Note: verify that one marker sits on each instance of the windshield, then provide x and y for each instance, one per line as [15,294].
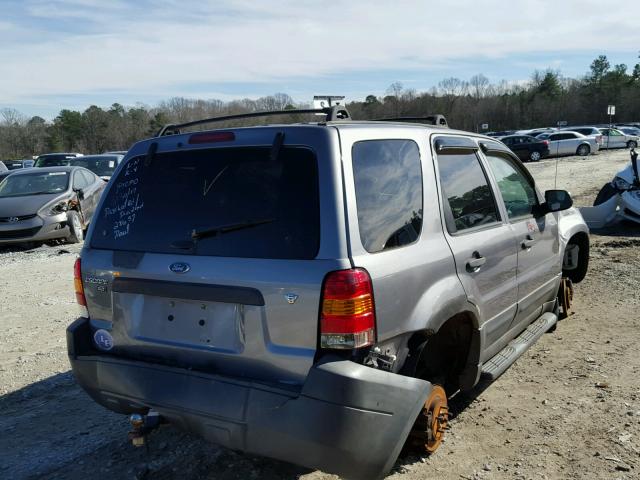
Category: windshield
[41,183]
[103,166]
[54,160]
[227,202]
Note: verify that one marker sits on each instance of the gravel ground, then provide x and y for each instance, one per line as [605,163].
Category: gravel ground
[569,408]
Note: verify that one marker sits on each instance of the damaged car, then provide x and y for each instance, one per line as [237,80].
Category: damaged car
[329,287]
[43,204]
[617,200]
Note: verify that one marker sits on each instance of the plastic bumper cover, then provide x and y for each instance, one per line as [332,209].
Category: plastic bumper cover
[347,419]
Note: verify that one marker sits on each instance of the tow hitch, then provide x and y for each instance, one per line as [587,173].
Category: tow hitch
[142,425]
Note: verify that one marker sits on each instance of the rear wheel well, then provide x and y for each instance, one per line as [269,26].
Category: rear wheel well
[444,357]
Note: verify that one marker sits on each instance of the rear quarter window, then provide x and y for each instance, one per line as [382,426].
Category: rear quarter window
[388,185]
[158,205]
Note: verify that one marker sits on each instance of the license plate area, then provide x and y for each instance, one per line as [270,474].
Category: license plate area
[213,326]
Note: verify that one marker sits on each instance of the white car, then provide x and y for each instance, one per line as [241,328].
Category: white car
[614,138]
[569,143]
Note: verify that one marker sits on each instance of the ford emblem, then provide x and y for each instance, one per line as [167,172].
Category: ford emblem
[179,267]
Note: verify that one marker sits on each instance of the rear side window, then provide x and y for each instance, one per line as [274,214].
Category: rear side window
[388,183]
[228,202]
[469,199]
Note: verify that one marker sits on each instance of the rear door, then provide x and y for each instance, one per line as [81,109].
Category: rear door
[482,243]
[212,257]
[539,262]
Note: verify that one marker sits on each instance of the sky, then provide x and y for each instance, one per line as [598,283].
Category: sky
[75,53]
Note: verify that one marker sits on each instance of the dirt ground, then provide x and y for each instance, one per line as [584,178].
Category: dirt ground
[569,408]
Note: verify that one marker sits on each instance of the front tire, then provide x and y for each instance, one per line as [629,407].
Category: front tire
[632,144]
[76,234]
[583,150]
[535,156]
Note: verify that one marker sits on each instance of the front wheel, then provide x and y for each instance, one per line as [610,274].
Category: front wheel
[632,144]
[583,150]
[535,156]
[76,234]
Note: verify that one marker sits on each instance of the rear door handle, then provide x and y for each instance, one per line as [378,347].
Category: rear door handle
[475,262]
[528,242]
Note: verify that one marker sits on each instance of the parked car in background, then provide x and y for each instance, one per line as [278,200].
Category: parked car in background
[527,147]
[5,174]
[116,152]
[281,290]
[102,165]
[3,167]
[536,131]
[55,159]
[14,164]
[502,133]
[48,203]
[569,143]
[614,138]
[587,131]
[634,131]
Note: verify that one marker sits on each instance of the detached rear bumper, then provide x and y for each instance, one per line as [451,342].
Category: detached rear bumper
[347,419]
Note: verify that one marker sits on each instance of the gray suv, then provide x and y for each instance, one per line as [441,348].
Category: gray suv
[315,292]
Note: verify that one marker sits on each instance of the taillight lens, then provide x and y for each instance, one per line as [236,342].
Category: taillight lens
[546,142]
[77,281]
[347,317]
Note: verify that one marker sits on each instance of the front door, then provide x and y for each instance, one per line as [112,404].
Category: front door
[482,243]
[539,260]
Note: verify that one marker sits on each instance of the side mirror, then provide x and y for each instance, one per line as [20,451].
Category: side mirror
[80,193]
[557,200]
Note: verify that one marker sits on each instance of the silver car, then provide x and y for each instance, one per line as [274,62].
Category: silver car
[569,143]
[315,292]
[614,138]
[37,205]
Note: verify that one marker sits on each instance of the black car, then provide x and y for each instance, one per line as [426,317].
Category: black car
[527,147]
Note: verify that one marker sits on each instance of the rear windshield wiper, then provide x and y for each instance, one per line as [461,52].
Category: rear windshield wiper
[222,229]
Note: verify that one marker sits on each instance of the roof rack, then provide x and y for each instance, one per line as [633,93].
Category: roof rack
[436,120]
[333,113]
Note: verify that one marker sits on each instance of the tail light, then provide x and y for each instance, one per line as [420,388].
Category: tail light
[212,137]
[546,142]
[77,281]
[347,317]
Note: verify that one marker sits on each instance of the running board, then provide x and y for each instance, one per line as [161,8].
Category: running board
[495,367]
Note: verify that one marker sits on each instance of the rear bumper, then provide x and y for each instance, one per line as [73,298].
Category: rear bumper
[347,419]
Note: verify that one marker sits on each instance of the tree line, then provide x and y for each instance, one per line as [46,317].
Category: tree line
[544,100]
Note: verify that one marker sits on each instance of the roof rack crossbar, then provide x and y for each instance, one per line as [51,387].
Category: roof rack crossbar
[336,112]
[436,120]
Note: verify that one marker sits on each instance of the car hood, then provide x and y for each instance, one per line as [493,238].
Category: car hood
[627,173]
[27,205]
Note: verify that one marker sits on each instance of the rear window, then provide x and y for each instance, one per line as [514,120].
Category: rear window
[228,202]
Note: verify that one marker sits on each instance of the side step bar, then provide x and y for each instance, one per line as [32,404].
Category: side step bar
[495,367]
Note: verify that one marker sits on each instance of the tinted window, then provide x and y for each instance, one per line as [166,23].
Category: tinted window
[103,166]
[54,160]
[228,202]
[388,183]
[517,192]
[466,189]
